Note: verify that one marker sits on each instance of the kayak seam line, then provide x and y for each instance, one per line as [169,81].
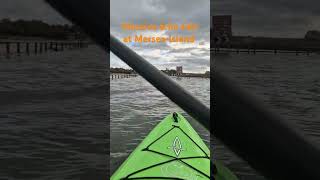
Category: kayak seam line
[173,158]
[180,159]
[149,177]
[176,157]
[174,126]
[195,169]
[165,162]
[193,141]
[159,137]
[143,169]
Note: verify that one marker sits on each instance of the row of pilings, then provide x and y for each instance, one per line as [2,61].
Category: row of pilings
[10,48]
[189,75]
[217,50]
[114,76]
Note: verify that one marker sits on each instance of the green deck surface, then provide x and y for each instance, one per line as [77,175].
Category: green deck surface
[172,150]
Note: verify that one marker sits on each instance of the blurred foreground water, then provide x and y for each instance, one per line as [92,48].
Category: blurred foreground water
[53,115]
[288,84]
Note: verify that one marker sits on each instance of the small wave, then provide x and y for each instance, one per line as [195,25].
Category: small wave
[17,96]
[118,154]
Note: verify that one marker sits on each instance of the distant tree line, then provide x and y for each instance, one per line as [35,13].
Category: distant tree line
[36,28]
[121,70]
[170,72]
[130,71]
[312,35]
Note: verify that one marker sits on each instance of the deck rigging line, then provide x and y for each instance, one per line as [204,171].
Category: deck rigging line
[172,158]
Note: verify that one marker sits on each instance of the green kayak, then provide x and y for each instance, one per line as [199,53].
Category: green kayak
[172,150]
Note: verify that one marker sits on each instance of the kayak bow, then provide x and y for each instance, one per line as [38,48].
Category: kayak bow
[172,150]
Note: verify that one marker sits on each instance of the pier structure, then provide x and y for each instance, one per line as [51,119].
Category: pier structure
[15,47]
[217,50]
[114,76]
[178,72]
[191,75]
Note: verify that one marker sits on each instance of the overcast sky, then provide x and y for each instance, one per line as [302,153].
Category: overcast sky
[194,57]
[277,18]
[29,9]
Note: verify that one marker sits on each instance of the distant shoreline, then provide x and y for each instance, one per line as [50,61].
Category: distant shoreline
[39,39]
[269,43]
[34,38]
[38,30]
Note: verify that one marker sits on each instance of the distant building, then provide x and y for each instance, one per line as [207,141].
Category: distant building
[221,26]
[179,70]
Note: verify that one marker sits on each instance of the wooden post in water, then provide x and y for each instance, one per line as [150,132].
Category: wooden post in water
[18,48]
[46,46]
[61,46]
[27,48]
[40,49]
[56,46]
[8,48]
[35,47]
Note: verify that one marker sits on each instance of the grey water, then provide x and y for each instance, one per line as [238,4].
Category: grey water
[136,107]
[53,107]
[288,84]
[53,122]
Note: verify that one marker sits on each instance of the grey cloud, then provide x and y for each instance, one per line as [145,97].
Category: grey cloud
[193,61]
[177,11]
[161,11]
[26,9]
[137,11]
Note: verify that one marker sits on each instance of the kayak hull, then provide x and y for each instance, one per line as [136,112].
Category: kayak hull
[172,150]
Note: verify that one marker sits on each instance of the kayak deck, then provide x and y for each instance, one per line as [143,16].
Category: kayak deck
[172,150]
